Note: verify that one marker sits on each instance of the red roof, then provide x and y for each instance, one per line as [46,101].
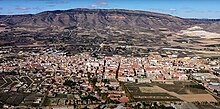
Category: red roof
[124,99]
[108,58]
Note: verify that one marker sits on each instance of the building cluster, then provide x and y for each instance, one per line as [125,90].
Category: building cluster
[85,79]
[134,69]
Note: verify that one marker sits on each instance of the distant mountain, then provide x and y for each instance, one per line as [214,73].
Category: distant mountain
[100,18]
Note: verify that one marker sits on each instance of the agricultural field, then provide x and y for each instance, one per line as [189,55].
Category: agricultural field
[146,92]
[172,91]
[182,88]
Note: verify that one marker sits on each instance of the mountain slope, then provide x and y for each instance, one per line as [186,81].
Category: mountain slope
[98,19]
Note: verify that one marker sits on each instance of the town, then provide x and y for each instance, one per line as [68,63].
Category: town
[50,78]
[109,54]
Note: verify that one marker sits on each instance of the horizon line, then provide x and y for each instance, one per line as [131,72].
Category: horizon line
[192,18]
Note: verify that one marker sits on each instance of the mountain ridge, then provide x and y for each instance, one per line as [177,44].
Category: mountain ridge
[100,18]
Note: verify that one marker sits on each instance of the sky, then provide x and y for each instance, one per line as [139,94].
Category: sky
[181,8]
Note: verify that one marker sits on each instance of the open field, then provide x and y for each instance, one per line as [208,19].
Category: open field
[177,91]
[197,97]
[153,89]
[146,93]
[181,88]
[207,107]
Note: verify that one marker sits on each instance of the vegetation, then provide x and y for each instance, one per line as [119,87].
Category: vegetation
[197,86]
[112,101]
[105,81]
[104,95]
[93,81]
[204,71]
[69,83]
[215,73]
[92,98]
[126,91]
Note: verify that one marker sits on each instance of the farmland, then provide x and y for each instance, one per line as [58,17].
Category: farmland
[174,91]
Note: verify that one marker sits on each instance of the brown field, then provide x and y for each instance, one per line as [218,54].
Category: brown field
[181,88]
[197,97]
[177,91]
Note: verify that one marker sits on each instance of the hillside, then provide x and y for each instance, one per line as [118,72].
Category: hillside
[98,18]
[119,31]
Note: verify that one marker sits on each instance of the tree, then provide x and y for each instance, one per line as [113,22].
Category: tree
[69,83]
[105,81]
[112,101]
[93,81]
[104,96]
[88,75]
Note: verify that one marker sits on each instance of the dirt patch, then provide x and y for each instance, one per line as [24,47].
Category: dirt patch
[197,97]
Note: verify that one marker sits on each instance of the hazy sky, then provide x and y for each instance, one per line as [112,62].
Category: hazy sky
[181,8]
